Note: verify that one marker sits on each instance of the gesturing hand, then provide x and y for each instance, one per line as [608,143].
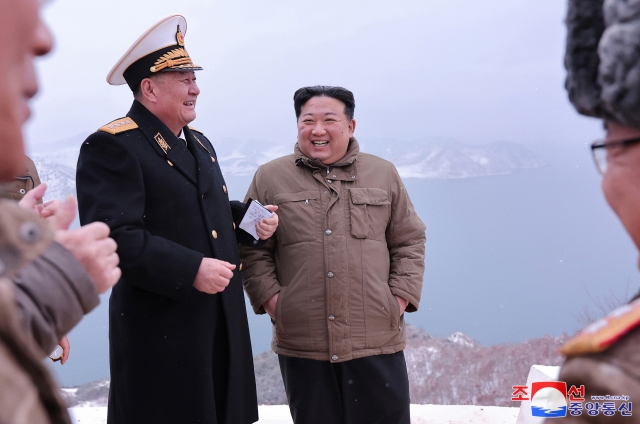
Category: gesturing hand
[90,244]
[95,251]
[213,275]
[59,215]
[267,227]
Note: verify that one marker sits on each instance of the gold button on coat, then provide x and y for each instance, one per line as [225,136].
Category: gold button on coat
[224,188]
[169,162]
[234,225]
[240,267]
[214,233]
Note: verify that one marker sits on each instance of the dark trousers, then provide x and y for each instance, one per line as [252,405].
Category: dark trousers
[370,390]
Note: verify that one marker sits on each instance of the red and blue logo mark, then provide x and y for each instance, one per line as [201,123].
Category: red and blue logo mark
[549,399]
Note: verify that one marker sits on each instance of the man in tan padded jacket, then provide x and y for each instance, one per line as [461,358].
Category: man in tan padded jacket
[49,276]
[346,262]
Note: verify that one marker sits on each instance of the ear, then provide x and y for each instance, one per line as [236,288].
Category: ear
[352,127]
[148,90]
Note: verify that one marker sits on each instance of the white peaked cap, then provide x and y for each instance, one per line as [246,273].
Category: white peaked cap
[166,39]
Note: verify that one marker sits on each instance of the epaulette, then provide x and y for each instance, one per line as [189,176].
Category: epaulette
[196,130]
[603,333]
[118,126]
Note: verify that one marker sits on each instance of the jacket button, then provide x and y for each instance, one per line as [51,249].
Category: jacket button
[213,159]
[214,233]
[29,232]
[234,225]
[169,162]
[330,274]
[328,232]
[334,358]
[240,267]
[331,317]
[329,181]
[224,188]
[23,191]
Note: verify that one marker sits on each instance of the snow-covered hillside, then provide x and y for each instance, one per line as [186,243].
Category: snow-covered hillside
[444,371]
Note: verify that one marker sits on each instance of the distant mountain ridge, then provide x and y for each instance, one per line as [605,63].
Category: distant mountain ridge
[453,160]
[428,158]
[442,371]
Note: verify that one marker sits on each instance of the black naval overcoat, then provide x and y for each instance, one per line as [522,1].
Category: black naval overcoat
[177,355]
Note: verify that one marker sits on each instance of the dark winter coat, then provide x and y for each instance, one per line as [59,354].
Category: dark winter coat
[167,207]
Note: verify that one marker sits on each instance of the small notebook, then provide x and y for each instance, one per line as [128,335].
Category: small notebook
[253,213]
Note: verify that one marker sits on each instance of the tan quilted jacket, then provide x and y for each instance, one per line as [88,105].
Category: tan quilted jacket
[347,242]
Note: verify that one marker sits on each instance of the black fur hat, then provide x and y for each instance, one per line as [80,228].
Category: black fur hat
[603,59]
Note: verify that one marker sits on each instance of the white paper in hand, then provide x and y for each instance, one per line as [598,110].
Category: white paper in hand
[254,214]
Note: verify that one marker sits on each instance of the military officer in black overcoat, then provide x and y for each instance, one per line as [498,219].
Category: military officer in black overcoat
[180,351]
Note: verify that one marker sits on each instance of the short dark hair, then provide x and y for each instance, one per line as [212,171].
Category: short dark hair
[304,94]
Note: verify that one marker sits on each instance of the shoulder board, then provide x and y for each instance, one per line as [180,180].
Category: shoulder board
[196,130]
[118,126]
[603,333]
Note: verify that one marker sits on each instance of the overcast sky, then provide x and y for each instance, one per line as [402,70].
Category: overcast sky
[476,71]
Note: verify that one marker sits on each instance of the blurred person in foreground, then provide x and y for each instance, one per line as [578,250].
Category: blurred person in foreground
[345,264]
[16,190]
[178,334]
[49,276]
[603,81]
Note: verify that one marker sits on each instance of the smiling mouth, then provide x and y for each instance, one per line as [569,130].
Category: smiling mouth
[189,103]
[320,143]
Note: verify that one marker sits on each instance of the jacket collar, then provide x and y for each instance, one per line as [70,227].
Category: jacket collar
[159,135]
[204,159]
[348,159]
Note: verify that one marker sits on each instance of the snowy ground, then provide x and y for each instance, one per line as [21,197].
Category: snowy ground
[420,414]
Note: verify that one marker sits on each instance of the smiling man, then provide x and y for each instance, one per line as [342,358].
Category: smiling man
[179,340]
[345,264]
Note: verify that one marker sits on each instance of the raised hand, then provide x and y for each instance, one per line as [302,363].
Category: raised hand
[267,227]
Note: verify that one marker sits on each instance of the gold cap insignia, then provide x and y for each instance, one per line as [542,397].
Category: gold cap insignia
[180,37]
[174,59]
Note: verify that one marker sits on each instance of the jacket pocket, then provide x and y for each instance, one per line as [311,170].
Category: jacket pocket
[279,329]
[369,212]
[381,314]
[394,310]
[297,212]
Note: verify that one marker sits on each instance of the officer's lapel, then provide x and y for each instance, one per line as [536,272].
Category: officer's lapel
[203,156]
[164,142]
